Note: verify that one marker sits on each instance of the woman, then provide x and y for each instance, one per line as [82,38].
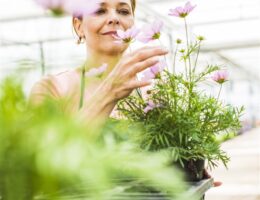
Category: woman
[119,80]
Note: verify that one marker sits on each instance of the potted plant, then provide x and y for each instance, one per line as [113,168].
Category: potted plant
[177,115]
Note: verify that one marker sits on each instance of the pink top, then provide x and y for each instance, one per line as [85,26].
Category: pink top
[63,86]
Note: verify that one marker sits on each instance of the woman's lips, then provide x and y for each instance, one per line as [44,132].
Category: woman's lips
[110,33]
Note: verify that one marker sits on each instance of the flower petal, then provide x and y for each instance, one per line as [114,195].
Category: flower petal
[80,7]
[121,34]
[157,26]
[147,75]
[144,38]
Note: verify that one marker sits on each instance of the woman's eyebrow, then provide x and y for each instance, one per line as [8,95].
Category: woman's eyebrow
[123,4]
[120,4]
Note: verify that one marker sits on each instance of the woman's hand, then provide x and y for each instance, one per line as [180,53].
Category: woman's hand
[122,80]
[119,83]
[207,175]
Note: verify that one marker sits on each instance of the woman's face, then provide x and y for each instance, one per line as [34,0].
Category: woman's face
[99,28]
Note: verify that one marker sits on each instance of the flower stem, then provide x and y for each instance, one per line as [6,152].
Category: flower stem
[82,86]
[219,91]
[174,58]
[164,55]
[42,59]
[186,73]
[188,54]
[187,41]
[195,65]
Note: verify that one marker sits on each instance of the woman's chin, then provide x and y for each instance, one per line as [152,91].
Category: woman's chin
[114,48]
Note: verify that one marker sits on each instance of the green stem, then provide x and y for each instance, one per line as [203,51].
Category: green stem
[219,91]
[174,58]
[164,55]
[186,73]
[187,41]
[42,59]
[139,93]
[130,106]
[195,65]
[188,54]
[82,86]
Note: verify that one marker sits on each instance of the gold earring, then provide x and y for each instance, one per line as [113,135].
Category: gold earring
[80,40]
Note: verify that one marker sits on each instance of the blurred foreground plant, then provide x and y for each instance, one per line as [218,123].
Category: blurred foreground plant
[45,154]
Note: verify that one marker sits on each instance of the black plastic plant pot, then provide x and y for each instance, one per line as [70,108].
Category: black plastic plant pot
[193,169]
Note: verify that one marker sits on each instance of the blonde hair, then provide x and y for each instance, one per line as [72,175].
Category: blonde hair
[133,3]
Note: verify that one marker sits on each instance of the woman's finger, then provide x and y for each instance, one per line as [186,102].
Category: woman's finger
[143,49]
[143,65]
[148,53]
[217,183]
[138,84]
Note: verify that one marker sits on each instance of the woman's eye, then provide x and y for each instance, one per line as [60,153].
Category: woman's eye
[100,11]
[124,12]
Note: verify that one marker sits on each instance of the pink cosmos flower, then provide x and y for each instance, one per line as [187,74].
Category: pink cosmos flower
[182,11]
[97,71]
[220,76]
[153,71]
[151,32]
[74,7]
[56,6]
[126,36]
[150,106]
[79,8]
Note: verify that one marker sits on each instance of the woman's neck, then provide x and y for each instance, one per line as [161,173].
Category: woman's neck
[95,60]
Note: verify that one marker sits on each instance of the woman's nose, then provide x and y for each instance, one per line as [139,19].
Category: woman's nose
[113,18]
[113,21]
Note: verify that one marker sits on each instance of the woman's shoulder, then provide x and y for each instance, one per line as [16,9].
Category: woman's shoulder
[53,86]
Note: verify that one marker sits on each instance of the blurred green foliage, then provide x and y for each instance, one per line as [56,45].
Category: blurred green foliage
[45,154]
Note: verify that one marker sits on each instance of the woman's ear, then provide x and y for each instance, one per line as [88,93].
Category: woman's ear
[77,24]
